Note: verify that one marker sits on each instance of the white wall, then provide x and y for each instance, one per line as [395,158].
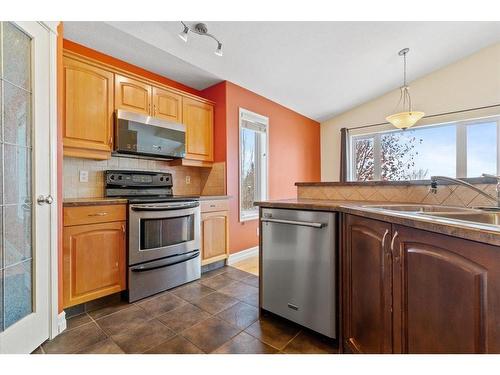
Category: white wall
[469,83]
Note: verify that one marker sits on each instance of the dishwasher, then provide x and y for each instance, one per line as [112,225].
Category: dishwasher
[299,255]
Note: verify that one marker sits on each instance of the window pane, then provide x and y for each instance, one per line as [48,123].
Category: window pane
[363,159]
[249,178]
[418,154]
[481,149]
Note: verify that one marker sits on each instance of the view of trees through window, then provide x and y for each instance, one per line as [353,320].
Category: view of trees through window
[419,153]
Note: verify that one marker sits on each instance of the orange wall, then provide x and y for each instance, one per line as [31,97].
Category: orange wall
[294,152]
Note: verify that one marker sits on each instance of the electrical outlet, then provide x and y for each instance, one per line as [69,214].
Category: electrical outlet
[188,180]
[84,176]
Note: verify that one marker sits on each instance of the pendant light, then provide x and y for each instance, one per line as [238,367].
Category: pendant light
[408,118]
[200,29]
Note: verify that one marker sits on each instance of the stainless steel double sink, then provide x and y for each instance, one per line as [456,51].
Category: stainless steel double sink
[486,215]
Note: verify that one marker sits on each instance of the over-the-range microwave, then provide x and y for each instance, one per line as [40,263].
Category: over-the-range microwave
[137,134]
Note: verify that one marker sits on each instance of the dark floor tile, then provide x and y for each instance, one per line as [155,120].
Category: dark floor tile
[238,290]
[77,321]
[251,280]
[143,337]
[110,308]
[236,274]
[210,334]
[216,302]
[217,282]
[243,343]
[161,304]
[75,340]
[176,345]
[240,315]
[273,331]
[183,317]
[192,292]
[252,299]
[123,320]
[209,274]
[310,343]
[107,346]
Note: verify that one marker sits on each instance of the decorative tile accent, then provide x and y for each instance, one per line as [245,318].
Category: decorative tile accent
[450,195]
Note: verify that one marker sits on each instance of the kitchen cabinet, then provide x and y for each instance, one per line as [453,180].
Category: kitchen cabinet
[94,252]
[87,110]
[198,118]
[214,231]
[167,105]
[367,286]
[434,293]
[132,95]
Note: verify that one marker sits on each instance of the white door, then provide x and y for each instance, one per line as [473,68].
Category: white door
[24,176]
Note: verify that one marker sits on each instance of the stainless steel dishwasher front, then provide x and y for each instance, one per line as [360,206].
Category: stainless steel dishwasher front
[299,267]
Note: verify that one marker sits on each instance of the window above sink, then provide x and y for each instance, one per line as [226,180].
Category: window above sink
[460,149]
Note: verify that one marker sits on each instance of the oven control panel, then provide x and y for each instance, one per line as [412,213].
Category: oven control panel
[137,178]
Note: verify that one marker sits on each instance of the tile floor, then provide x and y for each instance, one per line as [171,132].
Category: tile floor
[216,314]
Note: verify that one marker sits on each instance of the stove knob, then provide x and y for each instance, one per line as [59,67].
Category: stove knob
[120,177]
[112,177]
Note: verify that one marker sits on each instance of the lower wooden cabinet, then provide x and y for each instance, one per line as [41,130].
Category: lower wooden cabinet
[94,261]
[414,291]
[214,235]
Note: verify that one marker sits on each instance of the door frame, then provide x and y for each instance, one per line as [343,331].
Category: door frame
[57,321]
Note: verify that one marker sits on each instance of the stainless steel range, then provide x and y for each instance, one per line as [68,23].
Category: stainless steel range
[163,232]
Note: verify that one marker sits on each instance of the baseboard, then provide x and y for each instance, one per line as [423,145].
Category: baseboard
[242,255]
[61,322]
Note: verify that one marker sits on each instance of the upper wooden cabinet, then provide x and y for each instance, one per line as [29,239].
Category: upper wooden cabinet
[199,120]
[94,90]
[87,110]
[167,105]
[132,95]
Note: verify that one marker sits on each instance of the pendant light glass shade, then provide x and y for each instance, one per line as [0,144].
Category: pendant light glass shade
[407,117]
[404,120]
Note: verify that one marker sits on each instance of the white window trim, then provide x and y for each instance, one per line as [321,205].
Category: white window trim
[461,144]
[245,114]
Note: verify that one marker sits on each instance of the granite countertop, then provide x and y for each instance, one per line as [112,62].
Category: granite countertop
[472,231]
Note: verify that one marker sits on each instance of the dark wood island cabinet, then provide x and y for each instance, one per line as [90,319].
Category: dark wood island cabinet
[407,290]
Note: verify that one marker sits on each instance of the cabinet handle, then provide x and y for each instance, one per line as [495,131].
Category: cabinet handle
[212,205]
[99,214]
[383,242]
[123,228]
[154,110]
[395,255]
[110,141]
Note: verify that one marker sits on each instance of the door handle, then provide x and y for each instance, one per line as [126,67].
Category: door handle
[47,199]
[395,254]
[294,222]
[383,243]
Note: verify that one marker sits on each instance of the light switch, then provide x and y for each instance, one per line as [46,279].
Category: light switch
[84,176]
[188,180]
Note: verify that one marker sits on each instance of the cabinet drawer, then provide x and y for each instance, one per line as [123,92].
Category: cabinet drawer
[94,214]
[215,205]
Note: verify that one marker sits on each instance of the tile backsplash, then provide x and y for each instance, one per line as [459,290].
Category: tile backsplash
[449,195]
[204,181]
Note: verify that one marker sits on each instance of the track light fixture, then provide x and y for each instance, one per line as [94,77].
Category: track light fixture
[200,29]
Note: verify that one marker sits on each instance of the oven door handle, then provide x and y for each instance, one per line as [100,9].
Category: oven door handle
[164,208]
[145,268]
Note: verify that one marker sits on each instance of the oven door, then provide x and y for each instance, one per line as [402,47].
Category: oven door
[160,230]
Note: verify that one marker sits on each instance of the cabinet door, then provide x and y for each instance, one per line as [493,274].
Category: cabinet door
[367,286]
[446,294]
[132,95]
[167,105]
[93,261]
[198,118]
[88,110]
[214,236]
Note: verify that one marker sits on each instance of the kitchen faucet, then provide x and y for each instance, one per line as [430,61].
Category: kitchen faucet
[435,179]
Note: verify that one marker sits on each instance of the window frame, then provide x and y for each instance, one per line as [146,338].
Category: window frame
[461,127]
[262,167]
